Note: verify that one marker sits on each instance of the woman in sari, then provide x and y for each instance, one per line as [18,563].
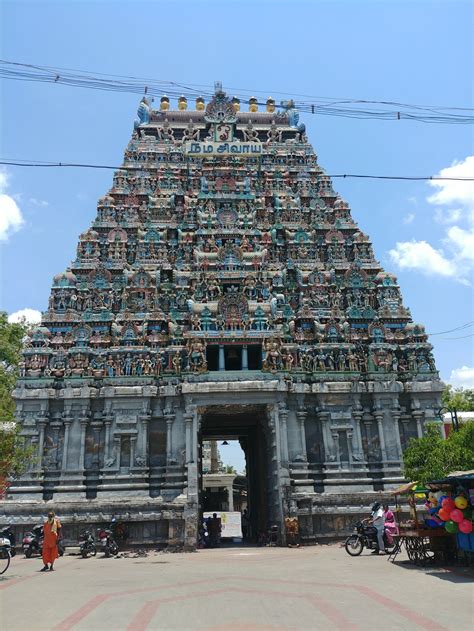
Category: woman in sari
[391,527]
[51,530]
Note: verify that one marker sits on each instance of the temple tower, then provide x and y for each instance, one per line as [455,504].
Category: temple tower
[223,290]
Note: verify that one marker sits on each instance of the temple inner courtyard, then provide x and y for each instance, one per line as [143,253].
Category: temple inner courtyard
[251,588]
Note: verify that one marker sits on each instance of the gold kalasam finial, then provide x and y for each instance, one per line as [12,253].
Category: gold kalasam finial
[199,103]
[164,103]
[236,104]
[182,103]
[253,104]
[270,104]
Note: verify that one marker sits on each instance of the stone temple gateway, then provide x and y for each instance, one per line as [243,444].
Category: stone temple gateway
[222,291]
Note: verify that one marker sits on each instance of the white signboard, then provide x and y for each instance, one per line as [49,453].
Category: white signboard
[231,523]
[211,149]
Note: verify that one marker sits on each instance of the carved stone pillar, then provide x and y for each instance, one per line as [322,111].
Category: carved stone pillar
[96,427]
[323,418]
[41,426]
[188,419]
[418,416]
[144,421]
[245,357]
[133,449]
[107,423]
[359,449]
[56,428]
[67,426]
[283,416]
[84,422]
[169,418]
[301,416]
[396,430]
[221,357]
[378,415]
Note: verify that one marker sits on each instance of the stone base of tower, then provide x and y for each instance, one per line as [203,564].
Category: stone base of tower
[317,448]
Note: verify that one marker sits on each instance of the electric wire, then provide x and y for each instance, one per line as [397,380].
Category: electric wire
[325,106]
[43,164]
[458,328]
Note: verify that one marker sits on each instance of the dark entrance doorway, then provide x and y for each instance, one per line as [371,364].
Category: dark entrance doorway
[249,425]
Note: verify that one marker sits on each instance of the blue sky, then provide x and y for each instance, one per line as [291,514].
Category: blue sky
[417,52]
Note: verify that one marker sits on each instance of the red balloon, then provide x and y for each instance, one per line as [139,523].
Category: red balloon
[456,515]
[465,526]
[448,504]
[444,514]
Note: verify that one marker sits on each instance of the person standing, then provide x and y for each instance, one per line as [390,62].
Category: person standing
[378,522]
[51,530]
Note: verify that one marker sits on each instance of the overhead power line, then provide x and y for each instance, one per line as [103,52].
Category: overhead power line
[45,164]
[323,106]
[458,328]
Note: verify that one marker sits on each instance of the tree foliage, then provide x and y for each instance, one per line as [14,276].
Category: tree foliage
[459,399]
[432,457]
[11,343]
[15,456]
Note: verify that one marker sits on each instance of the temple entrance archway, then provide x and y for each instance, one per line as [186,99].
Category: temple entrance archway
[249,425]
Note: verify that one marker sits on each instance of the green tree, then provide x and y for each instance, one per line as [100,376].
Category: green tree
[15,456]
[228,468]
[432,457]
[11,344]
[459,399]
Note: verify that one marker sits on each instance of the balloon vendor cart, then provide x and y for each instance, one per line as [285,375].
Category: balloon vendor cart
[423,538]
[455,509]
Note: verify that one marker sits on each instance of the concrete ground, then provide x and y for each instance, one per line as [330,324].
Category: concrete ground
[240,588]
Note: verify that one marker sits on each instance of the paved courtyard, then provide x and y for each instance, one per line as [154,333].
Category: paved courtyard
[242,588]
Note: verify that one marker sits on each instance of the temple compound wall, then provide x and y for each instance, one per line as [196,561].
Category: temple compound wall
[223,290]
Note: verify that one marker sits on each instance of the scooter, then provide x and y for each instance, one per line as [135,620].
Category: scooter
[87,544]
[5,554]
[33,543]
[365,536]
[107,542]
[7,533]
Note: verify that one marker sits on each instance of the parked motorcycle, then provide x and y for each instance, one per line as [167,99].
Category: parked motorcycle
[365,536]
[33,543]
[7,533]
[5,554]
[107,542]
[87,544]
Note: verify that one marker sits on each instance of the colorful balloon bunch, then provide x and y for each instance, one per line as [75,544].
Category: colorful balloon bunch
[456,514]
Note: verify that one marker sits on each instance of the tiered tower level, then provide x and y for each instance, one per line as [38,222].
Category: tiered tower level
[222,274]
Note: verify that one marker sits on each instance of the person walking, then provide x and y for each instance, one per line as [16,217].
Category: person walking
[51,531]
[378,522]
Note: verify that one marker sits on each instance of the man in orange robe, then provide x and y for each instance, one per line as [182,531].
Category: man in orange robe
[51,530]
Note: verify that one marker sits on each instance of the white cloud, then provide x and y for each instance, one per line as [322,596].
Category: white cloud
[448,215]
[454,191]
[11,218]
[454,206]
[38,202]
[32,316]
[421,255]
[408,219]
[462,377]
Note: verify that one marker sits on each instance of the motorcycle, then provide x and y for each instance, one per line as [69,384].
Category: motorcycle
[33,543]
[7,533]
[5,554]
[87,544]
[365,536]
[107,542]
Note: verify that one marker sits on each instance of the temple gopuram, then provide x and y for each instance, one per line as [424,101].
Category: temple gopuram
[223,291]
